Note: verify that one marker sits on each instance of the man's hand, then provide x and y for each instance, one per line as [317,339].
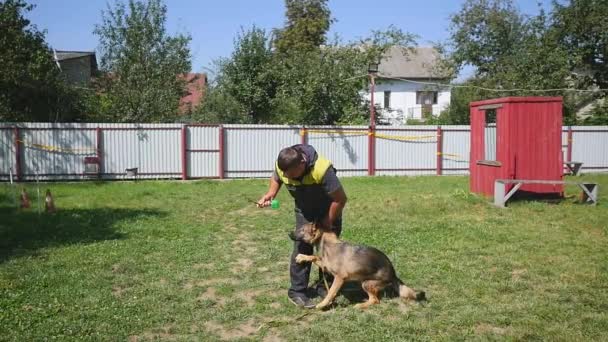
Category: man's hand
[265,201]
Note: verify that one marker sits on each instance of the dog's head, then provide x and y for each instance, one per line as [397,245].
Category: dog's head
[310,233]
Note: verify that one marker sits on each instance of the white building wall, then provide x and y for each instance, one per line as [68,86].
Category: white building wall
[403,100]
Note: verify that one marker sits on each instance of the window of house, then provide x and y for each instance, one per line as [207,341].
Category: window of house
[426,97]
[387,100]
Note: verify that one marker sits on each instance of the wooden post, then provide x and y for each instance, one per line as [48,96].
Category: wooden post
[371,151]
[303,136]
[439,150]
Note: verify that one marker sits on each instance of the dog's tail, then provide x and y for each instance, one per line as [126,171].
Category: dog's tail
[407,293]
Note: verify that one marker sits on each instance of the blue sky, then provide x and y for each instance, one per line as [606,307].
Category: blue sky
[213,25]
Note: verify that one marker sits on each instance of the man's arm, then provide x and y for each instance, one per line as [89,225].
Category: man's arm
[335,208]
[334,189]
[273,189]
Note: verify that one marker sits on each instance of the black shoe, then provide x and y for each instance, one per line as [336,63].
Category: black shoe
[301,300]
[321,290]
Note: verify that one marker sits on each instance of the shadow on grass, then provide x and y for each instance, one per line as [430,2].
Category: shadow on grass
[23,232]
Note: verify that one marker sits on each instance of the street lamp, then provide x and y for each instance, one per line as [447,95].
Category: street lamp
[372,71]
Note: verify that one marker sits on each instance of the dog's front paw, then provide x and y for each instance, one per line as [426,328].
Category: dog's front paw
[322,305]
[301,258]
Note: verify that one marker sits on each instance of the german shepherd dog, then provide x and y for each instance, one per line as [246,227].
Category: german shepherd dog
[348,262]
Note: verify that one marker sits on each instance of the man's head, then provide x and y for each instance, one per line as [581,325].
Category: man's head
[292,162]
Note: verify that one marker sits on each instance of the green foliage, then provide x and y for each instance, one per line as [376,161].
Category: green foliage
[509,51]
[319,86]
[31,85]
[143,64]
[581,27]
[599,114]
[307,24]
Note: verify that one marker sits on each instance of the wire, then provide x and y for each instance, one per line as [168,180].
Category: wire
[451,85]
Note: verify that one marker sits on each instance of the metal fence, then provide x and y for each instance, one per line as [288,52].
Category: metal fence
[58,151]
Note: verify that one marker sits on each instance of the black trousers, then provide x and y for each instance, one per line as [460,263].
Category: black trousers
[300,273]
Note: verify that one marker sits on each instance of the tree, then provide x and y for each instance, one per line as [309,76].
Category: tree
[599,114]
[305,84]
[31,85]
[307,23]
[580,26]
[142,63]
[248,74]
[509,51]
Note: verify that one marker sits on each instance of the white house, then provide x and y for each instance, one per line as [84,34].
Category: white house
[406,86]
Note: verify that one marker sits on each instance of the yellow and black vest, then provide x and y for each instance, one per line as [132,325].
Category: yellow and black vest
[313,176]
[310,196]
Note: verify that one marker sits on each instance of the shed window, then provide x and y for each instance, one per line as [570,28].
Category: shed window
[490,135]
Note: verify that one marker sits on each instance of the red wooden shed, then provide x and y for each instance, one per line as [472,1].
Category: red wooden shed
[516,138]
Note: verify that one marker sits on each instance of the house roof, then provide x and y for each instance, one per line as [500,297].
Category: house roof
[418,62]
[66,55]
[63,55]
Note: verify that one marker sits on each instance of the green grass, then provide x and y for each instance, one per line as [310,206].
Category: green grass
[196,261]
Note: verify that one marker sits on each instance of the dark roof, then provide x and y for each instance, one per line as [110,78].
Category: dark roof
[66,55]
[420,62]
[63,55]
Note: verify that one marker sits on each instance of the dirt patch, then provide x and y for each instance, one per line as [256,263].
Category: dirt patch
[403,307]
[277,280]
[246,329]
[205,266]
[272,337]
[484,328]
[275,305]
[242,240]
[231,227]
[211,295]
[253,210]
[249,296]
[250,250]
[517,274]
[209,282]
[118,290]
[165,333]
[241,265]
[118,268]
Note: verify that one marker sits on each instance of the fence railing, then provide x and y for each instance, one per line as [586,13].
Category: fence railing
[32,151]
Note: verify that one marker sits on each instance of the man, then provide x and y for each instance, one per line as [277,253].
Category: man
[319,197]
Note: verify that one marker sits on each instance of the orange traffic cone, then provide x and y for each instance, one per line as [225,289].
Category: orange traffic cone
[49,206]
[25,201]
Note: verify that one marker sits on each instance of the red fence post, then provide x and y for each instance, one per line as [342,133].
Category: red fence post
[17,153]
[371,151]
[439,151]
[184,153]
[221,148]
